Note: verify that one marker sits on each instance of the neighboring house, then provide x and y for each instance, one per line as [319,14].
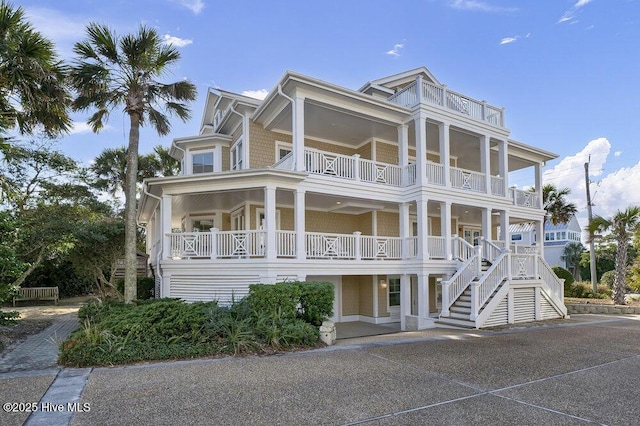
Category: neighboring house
[142,265]
[556,238]
[393,192]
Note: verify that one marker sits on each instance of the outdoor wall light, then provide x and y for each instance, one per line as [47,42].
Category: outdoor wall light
[383,283]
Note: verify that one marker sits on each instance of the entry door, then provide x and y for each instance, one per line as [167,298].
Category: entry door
[471,234]
[237,220]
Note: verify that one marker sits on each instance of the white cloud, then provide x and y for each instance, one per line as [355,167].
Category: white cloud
[396,50]
[63,29]
[257,94]
[617,153]
[195,6]
[81,127]
[177,41]
[508,40]
[479,6]
[570,14]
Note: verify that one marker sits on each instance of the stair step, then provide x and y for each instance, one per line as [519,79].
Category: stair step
[456,322]
[463,303]
[465,298]
[460,310]
[458,315]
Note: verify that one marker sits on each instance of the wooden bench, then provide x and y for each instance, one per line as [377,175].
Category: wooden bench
[36,293]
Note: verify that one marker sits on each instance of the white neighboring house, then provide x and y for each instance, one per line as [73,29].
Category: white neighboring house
[393,192]
[556,238]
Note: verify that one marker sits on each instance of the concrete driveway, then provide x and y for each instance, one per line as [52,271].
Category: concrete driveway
[581,371]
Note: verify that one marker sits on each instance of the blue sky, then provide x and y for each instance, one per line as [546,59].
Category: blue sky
[566,70]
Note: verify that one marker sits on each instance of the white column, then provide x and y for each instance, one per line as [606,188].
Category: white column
[423,297]
[423,228]
[538,169]
[504,165]
[485,161]
[421,147]
[504,228]
[375,296]
[165,228]
[445,155]
[486,224]
[540,236]
[403,145]
[270,221]
[445,228]
[299,224]
[298,133]
[404,228]
[405,300]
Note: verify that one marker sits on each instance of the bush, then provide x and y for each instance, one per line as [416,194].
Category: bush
[316,301]
[584,290]
[145,287]
[608,278]
[280,300]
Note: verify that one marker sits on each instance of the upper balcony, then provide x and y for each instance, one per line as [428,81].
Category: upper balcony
[421,91]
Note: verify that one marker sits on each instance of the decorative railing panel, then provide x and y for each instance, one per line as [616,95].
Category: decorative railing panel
[286,243]
[467,179]
[190,245]
[497,186]
[326,163]
[240,244]
[525,198]
[376,172]
[523,265]
[330,246]
[381,247]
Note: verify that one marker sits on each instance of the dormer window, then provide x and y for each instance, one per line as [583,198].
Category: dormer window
[202,162]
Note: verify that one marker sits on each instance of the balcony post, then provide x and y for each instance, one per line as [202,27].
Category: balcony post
[538,169]
[356,167]
[299,225]
[445,154]
[421,146]
[419,96]
[423,228]
[445,296]
[165,214]
[503,166]
[404,228]
[270,219]
[486,224]
[444,96]
[485,161]
[357,244]
[298,133]
[214,243]
[445,229]
[403,152]
[540,237]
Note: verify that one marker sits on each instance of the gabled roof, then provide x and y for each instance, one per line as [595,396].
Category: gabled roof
[400,79]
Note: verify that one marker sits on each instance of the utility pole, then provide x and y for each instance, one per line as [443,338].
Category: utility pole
[592,249]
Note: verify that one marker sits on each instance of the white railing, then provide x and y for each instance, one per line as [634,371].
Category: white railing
[327,163]
[285,163]
[412,247]
[497,186]
[381,247]
[467,179]
[240,244]
[190,244]
[524,266]
[490,251]
[554,284]
[482,290]
[439,95]
[435,173]
[523,249]
[454,287]
[286,243]
[462,250]
[436,247]
[525,198]
[376,172]
[410,174]
[330,246]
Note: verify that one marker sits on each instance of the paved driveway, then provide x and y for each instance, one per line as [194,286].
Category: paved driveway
[578,372]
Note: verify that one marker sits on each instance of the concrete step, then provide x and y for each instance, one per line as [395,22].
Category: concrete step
[461,309]
[463,303]
[458,315]
[455,322]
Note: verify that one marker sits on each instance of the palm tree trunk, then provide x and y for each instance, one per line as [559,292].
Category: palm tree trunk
[621,272]
[130,230]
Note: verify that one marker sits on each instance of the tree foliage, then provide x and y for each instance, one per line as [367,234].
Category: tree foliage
[555,203]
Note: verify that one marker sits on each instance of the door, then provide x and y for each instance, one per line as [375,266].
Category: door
[471,234]
[393,298]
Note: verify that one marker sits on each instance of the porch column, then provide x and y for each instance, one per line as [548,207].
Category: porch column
[445,228]
[404,228]
[423,228]
[486,224]
[403,145]
[504,228]
[485,161]
[540,236]
[298,133]
[405,300]
[423,298]
[375,285]
[299,224]
[538,168]
[445,155]
[165,227]
[503,166]
[421,147]
[270,219]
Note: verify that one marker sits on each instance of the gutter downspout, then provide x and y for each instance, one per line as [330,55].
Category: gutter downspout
[184,155]
[293,121]
[159,255]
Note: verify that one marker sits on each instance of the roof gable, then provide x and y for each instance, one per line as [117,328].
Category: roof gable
[402,79]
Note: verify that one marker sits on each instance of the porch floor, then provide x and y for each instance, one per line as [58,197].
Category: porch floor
[347,330]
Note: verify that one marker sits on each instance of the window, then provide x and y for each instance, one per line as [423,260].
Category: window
[202,225]
[236,155]
[282,149]
[516,237]
[562,235]
[549,236]
[394,291]
[202,163]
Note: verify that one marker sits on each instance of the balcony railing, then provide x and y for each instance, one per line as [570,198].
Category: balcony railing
[434,94]
[525,198]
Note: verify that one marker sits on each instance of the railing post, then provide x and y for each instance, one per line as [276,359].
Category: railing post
[484,110]
[474,302]
[478,254]
[445,298]
[455,247]
[356,167]
[444,95]
[214,242]
[357,245]
[419,89]
[536,274]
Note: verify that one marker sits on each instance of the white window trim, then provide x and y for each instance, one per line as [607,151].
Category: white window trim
[241,159]
[389,306]
[282,145]
[260,210]
[217,158]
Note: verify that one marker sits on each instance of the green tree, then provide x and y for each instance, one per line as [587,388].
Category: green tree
[166,164]
[605,260]
[33,92]
[109,170]
[622,225]
[555,203]
[111,71]
[572,254]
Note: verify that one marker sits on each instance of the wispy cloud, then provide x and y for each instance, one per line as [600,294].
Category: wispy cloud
[395,52]
[570,15]
[195,6]
[63,29]
[177,41]
[256,94]
[81,127]
[479,6]
[508,40]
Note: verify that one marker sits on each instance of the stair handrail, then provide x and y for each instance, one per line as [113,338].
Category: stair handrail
[462,249]
[490,250]
[487,284]
[456,285]
[552,283]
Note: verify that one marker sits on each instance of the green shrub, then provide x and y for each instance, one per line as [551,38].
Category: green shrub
[566,276]
[280,300]
[608,278]
[584,290]
[316,301]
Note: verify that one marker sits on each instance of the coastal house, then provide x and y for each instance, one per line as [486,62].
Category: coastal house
[394,193]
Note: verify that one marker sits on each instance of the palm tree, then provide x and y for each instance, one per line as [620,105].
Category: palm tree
[33,92]
[558,209]
[109,169]
[572,254]
[622,225]
[167,165]
[111,71]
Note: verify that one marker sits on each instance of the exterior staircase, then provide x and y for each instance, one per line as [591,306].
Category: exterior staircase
[460,311]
